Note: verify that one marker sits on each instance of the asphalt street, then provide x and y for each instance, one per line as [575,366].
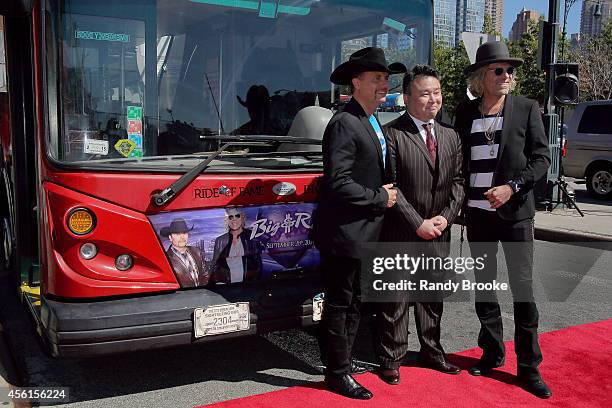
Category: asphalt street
[572,284]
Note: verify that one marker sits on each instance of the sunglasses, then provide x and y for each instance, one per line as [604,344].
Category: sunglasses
[232,216]
[499,70]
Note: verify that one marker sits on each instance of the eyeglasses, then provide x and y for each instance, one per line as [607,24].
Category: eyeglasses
[499,70]
[232,216]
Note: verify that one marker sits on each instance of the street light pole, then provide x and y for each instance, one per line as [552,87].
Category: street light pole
[551,119]
[553,20]
[567,6]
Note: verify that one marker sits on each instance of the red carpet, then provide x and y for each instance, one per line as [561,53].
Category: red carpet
[577,366]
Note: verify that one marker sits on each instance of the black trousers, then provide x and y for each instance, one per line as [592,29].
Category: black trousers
[391,340]
[341,312]
[484,231]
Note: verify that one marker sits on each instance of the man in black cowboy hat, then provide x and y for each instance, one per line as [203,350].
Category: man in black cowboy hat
[186,261]
[352,202]
[258,106]
[505,153]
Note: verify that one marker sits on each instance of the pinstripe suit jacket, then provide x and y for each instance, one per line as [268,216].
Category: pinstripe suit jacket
[429,188]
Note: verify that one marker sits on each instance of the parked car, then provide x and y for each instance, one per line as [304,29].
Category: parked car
[589,147]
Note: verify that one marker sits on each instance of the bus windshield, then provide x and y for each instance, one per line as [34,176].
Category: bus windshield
[133,80]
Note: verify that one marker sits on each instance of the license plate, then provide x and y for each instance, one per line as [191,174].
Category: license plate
[219,319]
[317,307]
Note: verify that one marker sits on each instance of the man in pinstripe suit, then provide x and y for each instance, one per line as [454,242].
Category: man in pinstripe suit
[426,157]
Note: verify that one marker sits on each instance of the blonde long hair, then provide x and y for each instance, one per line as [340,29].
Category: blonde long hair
[239,211]
[475,81]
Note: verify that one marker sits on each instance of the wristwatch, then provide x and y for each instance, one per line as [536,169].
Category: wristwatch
[514,185]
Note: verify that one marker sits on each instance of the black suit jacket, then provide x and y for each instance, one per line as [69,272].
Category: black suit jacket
[181,272]
[429,188]
[251,261]
[352,200]
[523,152]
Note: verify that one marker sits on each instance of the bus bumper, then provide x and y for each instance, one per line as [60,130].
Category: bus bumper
[90,328]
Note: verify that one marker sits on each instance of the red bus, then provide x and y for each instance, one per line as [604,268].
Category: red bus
[161,158]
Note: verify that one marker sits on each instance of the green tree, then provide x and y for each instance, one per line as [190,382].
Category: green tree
[487,26]
[606,32]
[529,77]
[450,63]
[594,54]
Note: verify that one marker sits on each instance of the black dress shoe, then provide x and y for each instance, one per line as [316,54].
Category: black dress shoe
[357,368]
[483,368]
[389,375]
[347,386]
[537,387]
[442,365]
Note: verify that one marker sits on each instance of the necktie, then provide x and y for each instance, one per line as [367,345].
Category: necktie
[191,267]
[381,138]
[431,142]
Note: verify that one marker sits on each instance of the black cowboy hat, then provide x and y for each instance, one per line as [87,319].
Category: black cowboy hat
[256,95]
[366,59]
[177,226]
[491,52]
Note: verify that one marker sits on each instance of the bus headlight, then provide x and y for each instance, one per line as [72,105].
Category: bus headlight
[88,250]
[81,221]
[124,262]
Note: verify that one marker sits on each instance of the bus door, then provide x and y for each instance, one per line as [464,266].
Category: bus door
[18,225]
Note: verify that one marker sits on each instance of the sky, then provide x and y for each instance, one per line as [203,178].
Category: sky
[513,7]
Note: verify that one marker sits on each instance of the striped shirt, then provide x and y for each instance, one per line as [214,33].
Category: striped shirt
[483,159]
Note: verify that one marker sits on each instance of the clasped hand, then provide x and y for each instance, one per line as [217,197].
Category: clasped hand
[432,228]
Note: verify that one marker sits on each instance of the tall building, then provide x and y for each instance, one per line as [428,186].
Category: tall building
[470,17]
[594,15]
[495,9]
[452,17]
[520,25]
[445,13]
[574,40]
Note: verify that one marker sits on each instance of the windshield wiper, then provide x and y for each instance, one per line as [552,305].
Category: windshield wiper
[163,197]
[263,138]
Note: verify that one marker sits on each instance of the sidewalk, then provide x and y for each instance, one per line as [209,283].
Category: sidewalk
[566,225]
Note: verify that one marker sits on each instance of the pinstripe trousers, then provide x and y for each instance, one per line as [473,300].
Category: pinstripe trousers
[391,344]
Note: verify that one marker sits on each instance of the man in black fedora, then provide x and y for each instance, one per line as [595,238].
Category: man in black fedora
[186,260]
[352,202]
[505,153]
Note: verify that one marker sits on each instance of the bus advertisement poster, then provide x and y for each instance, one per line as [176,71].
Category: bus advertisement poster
[236,244]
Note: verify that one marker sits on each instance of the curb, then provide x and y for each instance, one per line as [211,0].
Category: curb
[564,235]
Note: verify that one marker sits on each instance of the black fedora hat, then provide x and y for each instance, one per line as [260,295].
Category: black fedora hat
[366,59]
[491,52]
[177,226]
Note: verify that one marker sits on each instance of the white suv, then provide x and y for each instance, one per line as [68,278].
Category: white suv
[589,147]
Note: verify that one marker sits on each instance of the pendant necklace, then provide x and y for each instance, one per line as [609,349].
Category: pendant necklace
[491,129]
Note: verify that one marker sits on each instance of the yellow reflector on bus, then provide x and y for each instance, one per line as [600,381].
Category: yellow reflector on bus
[81,221]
